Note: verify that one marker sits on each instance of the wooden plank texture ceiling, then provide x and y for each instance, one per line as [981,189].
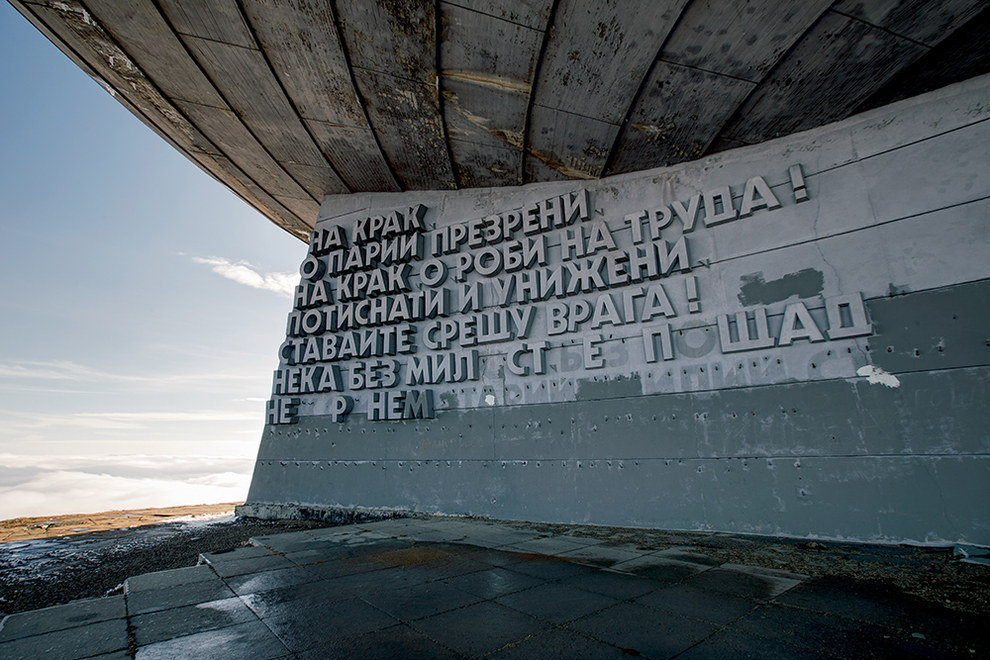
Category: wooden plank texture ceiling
[285,101]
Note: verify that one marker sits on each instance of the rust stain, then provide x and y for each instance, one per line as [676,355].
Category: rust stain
[564,169]
[649,129]
[489,80]
[403,556]
[515,139]
[512,138]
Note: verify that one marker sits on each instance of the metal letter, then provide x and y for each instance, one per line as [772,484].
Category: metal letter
[847,316]
[798,324]
[747,338]
[715,198]
[593,352]
[766,199]
[649,345]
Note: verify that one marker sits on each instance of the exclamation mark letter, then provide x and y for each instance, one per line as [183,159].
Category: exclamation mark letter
[797,182]
[691,284]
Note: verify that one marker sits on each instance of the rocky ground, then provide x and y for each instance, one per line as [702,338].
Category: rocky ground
[935,575]
[51,571]
[24,529]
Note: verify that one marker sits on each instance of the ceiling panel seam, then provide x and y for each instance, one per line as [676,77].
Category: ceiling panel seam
[484,13]
[202,105]
[880,28]
[502,145]
[537,70]
[336,124]
[704,70]
[975,23]
[640,91]
[292,103]
[247,128]
[390,74]
[357,92]
[575,114]
[902,64]
[484,144]
[217,41]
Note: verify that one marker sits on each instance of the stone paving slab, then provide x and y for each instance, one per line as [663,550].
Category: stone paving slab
[176,576]
[211,615]
[252,639]
[701,604]
[443,587]
[743,581]
[557,603]
[62,617]
[398,641]
[632,626]
[79,642]
[660,569]
[167,598]
[481,628]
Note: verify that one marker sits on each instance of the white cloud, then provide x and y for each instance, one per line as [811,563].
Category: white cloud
[124,464]
[52,370]
[164,416]
[121,420]
[244,273]
[65,492]
[37,485]
[63,371]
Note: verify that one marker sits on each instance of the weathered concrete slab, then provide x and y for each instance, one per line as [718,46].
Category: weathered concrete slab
[396,75]
[665,126]
[62,617]
[303,44]
[592,67]
[487,73]
[825,76]
[742,39]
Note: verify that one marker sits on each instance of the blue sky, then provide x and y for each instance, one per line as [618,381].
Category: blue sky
[141,303]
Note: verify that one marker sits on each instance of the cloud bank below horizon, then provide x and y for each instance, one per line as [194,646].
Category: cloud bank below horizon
[33,486]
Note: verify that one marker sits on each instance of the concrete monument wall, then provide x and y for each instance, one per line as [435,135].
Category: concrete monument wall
[788,338]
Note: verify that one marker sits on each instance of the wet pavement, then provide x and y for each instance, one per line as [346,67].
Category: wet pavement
[43,572]
[448,587]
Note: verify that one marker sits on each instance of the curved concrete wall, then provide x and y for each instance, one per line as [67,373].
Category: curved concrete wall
[805,355]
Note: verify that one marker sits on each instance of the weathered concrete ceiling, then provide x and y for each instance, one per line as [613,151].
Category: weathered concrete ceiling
[285,101]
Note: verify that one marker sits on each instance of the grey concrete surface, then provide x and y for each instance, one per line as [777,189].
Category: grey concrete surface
[876,435]
[458,588]
[286,102]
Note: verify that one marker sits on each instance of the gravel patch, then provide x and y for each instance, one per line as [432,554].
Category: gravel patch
[930,574]
[51,571]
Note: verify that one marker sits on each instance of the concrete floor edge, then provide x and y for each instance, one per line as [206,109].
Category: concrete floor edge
[339,514]
[457,587]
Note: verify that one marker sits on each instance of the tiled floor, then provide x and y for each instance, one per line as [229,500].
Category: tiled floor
[437,588]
